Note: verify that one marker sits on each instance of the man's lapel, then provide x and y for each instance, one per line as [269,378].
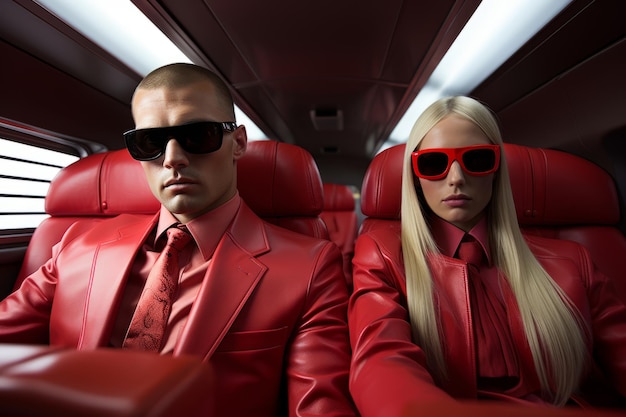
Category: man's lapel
[231,278]
[112,262]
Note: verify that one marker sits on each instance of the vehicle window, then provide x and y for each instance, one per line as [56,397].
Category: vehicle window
[25,175]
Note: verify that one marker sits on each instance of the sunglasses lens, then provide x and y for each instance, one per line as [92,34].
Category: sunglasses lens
[202,137]
[479,160]
[144,145]
[432,163]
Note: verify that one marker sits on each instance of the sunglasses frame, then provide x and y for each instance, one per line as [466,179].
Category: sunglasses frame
[456,154]
[165,134]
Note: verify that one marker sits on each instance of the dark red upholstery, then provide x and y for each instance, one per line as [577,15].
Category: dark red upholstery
[43,381]
[280,182]
[501,409]
[98,186]
[556,194]
[340,218]
[382,190]
[556,188]
[563,196]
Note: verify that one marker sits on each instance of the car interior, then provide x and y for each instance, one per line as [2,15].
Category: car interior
[328,92]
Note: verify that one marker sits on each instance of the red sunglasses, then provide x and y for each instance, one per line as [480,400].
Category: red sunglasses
[434,164]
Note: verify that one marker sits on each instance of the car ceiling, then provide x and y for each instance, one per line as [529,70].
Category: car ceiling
[331,76]
[334,77]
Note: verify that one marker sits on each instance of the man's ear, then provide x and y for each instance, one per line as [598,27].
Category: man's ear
[240,142]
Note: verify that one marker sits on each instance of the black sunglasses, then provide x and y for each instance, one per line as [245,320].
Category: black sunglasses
[434,164]
[196,137]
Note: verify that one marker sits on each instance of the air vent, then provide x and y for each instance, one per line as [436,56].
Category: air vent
[325,119]
[330,150]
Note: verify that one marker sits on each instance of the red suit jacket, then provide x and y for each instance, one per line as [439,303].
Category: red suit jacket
[270,315]
[389,371]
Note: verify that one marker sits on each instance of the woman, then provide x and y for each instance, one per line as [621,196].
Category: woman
[519,323]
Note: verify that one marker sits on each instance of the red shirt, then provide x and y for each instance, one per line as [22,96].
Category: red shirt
[207,231]
[496,355]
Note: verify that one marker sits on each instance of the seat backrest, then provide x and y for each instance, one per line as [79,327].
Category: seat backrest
[98,186]
[557,195]
[341,220]
[280,182]
[381,190]
[563,196]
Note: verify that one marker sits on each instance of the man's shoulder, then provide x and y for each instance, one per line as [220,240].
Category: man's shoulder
[247,224]
[279,233]
[100,225]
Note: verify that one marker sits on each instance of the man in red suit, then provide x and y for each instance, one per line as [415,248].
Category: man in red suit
[265,306]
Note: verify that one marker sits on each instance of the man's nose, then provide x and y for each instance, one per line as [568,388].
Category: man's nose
[175,155]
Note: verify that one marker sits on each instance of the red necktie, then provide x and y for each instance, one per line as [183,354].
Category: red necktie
[471,252]
[153,309]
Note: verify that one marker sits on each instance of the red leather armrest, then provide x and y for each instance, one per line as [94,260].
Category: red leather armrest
[43,381]
[486,408]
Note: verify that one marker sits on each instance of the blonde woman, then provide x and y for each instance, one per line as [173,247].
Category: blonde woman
[521,321]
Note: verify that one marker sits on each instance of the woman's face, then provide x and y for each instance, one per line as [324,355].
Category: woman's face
[458,198]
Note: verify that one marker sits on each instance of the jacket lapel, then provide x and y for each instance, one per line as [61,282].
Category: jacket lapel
[451,278]
[112,262]
[232,276]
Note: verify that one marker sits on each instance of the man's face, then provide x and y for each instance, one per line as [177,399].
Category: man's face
[189,185]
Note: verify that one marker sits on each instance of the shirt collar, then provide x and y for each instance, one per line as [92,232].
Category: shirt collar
[207,229]
[448,237]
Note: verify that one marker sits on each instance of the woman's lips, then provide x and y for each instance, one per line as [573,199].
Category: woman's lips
[456,200]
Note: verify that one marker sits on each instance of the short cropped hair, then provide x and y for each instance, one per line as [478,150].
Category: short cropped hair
[183,74]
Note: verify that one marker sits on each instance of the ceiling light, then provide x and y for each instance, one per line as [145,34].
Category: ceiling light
[494,32]
[120,28]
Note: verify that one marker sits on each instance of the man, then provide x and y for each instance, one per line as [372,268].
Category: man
[265,306]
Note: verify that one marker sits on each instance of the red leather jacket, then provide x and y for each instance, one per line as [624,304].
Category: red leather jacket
[389,372]
[270,315]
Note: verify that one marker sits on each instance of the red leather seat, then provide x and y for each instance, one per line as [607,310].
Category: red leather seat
[556,194]
[563,196]
[381,190]
[340,218]
[98,186]
[45,381]
[485,408]
[280,182]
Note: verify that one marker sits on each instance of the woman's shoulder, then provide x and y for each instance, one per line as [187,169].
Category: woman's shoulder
[547,246]
[560,253]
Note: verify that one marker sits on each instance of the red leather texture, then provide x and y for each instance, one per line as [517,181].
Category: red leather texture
[482,409]
[340,218]
[109,383]
[279,181]
[556,188]
[282,184]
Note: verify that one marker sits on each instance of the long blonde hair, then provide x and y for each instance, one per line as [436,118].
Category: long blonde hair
[554,329]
